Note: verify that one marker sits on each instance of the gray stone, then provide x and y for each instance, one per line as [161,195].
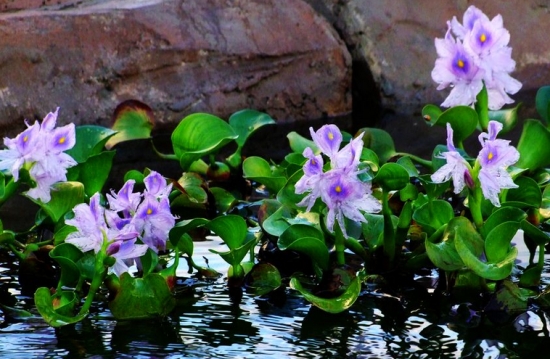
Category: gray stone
[179,57]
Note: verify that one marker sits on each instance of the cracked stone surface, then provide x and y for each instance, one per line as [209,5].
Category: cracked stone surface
[179,57]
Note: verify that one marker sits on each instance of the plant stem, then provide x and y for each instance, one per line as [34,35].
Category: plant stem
[339,245]
[356,247]
[100,271]
[9,189]
[389,231]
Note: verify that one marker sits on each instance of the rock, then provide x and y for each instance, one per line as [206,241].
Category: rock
[179,57]
[396,44]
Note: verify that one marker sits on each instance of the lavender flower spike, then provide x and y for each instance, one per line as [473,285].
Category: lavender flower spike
[328,138]
[494,158]
[346,196]
[456,68]
[456,167]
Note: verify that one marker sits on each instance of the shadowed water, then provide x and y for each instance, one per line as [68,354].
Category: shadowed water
[208,325]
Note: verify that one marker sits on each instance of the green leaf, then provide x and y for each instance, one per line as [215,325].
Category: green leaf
[526,195]
[534,233]
[434,214]
[542,103]
[184,227]
[224,199]
[246,122]
[198,135]
[433,190]
[65,195]
[44,305]
[259,170]
[278,222]
[491,271]
[333,305]
[262,279]
[431,114]
[90,140]
[308,240]
[298,143]
[380,142]
[482,108]
[534,146]
[231,229]
[235,255]
[133,120]
[141,298]
[497,243]
[444,254]
[508,118]
[501,215]
[392,177]
[66,255]
[463,120]
[94,172]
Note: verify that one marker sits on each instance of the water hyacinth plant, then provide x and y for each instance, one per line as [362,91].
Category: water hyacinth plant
[338,216]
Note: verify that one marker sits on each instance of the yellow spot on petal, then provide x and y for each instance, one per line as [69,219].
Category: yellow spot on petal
[490,156]
[61,140]
[25,139]
[338,189]
[483,38]
[460,63]
[330,136]
[149,211]
[313,162]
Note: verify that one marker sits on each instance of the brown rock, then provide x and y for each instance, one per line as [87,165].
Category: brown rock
[397,42]
[179,57]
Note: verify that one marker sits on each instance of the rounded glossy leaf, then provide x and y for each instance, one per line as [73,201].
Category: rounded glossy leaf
[542,103]
[380,142]
[463,120]
[66,255]
[224,199]
[491,271]
[534,146]
[262,279]
[308,240]
[501,215]
[245,122]
[132,120]
[497,243]
[431,114]
[90,140]
[231,228]
[259,170]
[392,177]
[44,304]
[198,135]
[434,214]
[333,305]
[298,143]
[141,298]
[65,196]
[526,195]
[534,233]
[508,118]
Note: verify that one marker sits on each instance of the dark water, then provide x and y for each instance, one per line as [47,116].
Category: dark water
[415,325]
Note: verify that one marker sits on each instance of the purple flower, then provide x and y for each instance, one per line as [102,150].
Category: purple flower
[328,138]
[125,253]
[89,221]
[346,196]
[154,220]
[456,167]
[339,188]
[456,68]
[40,148]
[481,50]
[155,184]
[125,200]
[495,157]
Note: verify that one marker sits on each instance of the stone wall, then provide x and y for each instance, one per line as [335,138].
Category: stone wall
[299,62]
[216,56]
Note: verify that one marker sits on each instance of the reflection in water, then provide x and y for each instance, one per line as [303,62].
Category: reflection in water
[414,324]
